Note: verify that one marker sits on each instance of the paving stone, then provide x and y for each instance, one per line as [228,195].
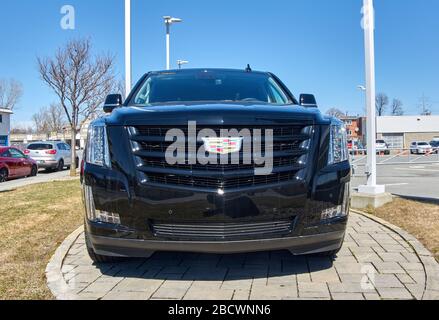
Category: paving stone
[273,293]
[170,293]
[100,287]
[372,296]
[212,294]
[127,296]
[241,295]
[395,294]
[389,268]
[138,285]
[412,266]
[347,296]
[348,288]
[386,281]
[392,257]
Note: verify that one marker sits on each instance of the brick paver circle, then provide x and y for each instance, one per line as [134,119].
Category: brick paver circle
[376,262]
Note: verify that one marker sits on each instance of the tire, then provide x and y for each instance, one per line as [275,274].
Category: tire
[60,166]
[3,175]
[97,258]
[34,171]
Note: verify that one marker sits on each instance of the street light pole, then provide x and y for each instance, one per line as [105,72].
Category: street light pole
[128,69]
[369,43]
[168,21]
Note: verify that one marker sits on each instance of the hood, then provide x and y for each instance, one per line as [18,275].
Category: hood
[215,114]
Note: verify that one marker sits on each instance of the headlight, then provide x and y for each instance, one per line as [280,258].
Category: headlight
[338,149]
[97,146]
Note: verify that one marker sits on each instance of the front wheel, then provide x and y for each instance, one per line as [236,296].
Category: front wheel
[97,258]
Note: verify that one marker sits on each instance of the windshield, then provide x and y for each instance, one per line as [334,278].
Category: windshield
[423,144]
[210,86]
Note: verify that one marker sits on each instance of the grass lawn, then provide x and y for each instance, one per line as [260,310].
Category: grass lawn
[34,221]
[421,219]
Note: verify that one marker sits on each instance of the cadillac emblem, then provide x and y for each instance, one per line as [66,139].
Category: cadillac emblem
[223,145]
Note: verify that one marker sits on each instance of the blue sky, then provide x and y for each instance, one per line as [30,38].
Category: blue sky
[314,46]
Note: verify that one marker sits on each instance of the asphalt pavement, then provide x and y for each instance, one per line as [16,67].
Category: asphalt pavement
[40,178]
[416,180]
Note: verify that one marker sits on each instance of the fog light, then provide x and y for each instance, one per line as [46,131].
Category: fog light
[341,210]
[107,217]
[95,215]
[332,213]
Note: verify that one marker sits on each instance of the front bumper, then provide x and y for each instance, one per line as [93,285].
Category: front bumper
[142,248]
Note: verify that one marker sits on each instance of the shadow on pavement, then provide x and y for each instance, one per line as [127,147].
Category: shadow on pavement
[213,267]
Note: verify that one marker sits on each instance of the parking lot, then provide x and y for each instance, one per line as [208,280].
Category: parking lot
[43,176]
[410,175]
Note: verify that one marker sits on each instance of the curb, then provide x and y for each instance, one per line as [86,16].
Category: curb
[431,266]
[55,279]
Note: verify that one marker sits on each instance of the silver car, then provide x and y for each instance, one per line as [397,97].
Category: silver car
[50,155]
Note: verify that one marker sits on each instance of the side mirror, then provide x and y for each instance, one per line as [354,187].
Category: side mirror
[308,101]
[112,102]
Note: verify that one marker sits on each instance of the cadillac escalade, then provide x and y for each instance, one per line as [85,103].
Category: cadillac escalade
[214,161]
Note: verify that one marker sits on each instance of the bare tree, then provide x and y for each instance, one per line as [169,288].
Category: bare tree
[334,112]
[11,92]
[397,109]
[41,122]
[22,129]
[381,102]
[425,105]
[49,120]
[81,81]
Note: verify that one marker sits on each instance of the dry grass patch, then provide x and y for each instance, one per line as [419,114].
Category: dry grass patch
[421,219]
[34,222]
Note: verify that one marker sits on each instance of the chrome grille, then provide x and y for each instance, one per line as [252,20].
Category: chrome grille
[226,231]
[290,149]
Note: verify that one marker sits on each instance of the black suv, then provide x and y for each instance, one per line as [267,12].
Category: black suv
[214,161]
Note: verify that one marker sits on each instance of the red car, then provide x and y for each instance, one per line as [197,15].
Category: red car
[14,164]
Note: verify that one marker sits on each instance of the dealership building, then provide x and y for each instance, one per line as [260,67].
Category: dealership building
[399,132]
[5,126]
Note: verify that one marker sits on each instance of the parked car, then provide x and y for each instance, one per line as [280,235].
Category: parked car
[137,200]
[382,147]
[420,147]
[15,164]
[50,155]
[435,145]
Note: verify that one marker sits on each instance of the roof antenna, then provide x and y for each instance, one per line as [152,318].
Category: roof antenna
[248,69]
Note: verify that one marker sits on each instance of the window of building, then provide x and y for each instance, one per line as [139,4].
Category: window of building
[1,118]
[348,122]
